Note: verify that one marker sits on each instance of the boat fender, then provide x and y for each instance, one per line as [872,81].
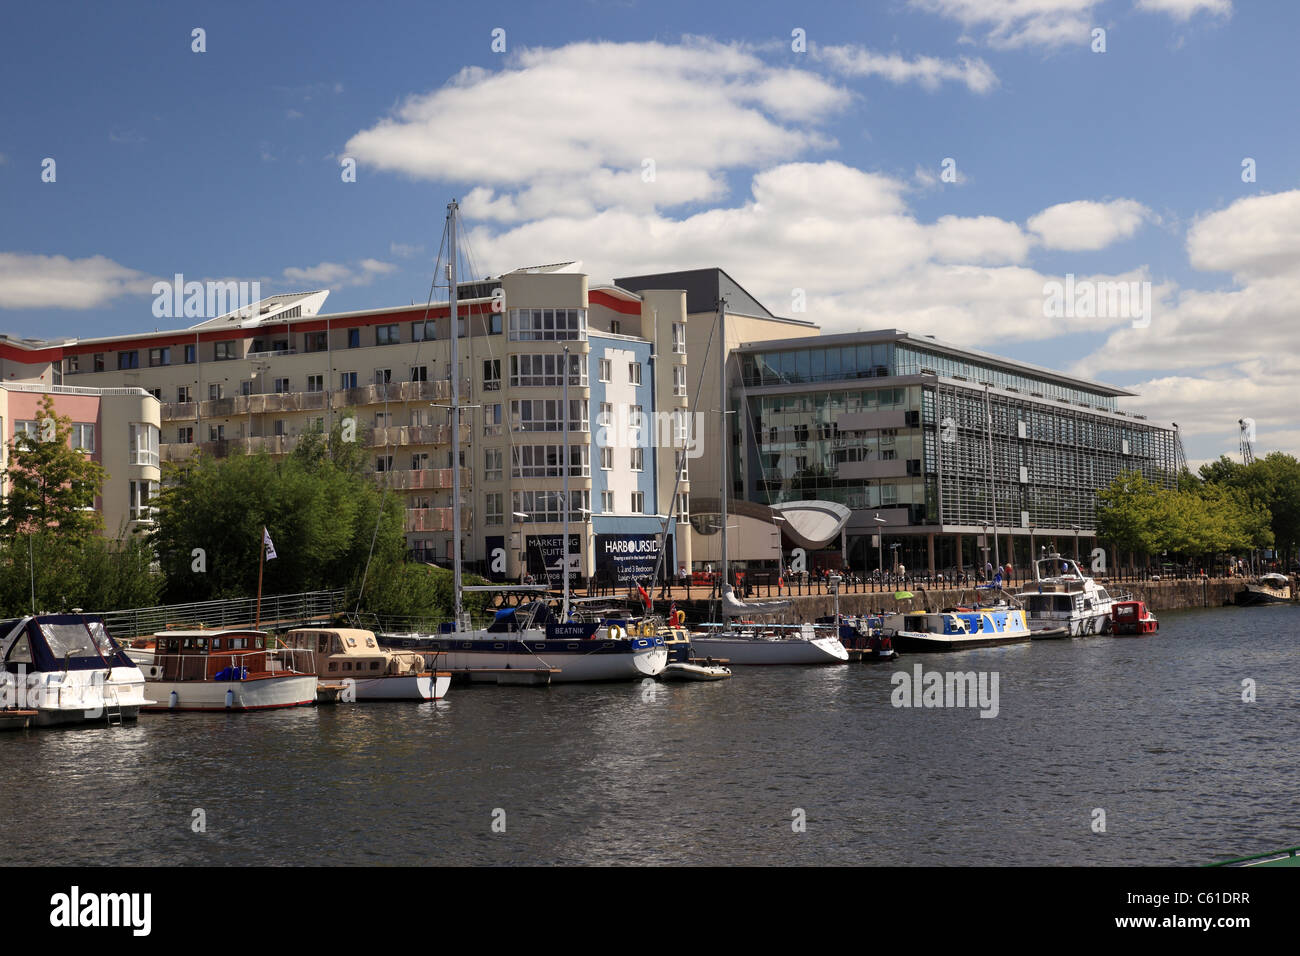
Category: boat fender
[173,700]
[230,697]
[616,633]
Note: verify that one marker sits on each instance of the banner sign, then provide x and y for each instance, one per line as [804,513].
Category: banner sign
[627,558]
[546,554]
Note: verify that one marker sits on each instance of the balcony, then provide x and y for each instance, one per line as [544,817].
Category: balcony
[427,479]
[436,519]
[288,402]
[402,435]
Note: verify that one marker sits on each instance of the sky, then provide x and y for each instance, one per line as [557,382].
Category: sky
[938,166]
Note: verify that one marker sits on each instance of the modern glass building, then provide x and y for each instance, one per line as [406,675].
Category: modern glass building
[947,450]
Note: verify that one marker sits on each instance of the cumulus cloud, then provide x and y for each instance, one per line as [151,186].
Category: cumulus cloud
[592,126]
[1084,225]
[30,281]
[1010,24]
[930,72]
[1186,9]
[337,274]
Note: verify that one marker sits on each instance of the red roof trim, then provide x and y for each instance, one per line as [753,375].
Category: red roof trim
[613,303]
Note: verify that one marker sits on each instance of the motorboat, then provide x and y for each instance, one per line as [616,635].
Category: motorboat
[234,669]
[863,637]
[956,630]
[65,669]
[1271,588]
[352,660]
[1132,617]
[1065,602]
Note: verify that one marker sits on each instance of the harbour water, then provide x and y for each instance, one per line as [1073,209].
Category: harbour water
[1152,731]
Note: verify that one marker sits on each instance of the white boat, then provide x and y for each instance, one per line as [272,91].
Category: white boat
[232,669]
[1063,597]
[1272,588]
[956,629]
[744,644]
[351,666]
[65,669]
[689,671]
[528,640]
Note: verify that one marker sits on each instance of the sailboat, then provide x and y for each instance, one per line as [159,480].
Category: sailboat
[750,643]
[525,645]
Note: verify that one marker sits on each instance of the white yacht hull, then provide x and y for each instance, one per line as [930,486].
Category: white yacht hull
[80,696]
[573,666]
[258,693]
[407,687]
[742,649]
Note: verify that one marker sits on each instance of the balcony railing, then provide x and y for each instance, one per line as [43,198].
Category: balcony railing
[401,435]
[282,402]
[436,519]
[427,479]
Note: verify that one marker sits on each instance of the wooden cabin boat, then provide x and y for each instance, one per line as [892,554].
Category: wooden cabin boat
[353,658]
[1132,617]
[235,669]
[65,669]
[1271,589]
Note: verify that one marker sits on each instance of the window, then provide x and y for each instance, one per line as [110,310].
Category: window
[615,326]
[607,502]
[315,341]
[491,375]
[143,443]
[607,459]
[492,469]
[185,435]
[387,335]
[681,465]
[638,459]
[354,338]
[549,505]
[679,338]
[384,463]
[606,370]
[383,419]
[142,496]
[679,380]
[216,391]
[526,370]
[638,502]
[419,373]
[683,506]
[347,380]
[159,357]
[547,461]
[546,415]
[190,353]
[315,383]
[492,419]
[419,461]
[216,433]
[423,331]
[156,393]
[225,350]
[128,360]
[31,429]
[383,376]
[281,386]
[634,372]
[83,436]
[281,427]
[73,364]
[184,393]
[99,362]
[494,323]
[606,416]
[547,325]
[493,508]
[246,388]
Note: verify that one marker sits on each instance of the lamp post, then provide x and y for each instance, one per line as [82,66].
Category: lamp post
[880,544]
[1077,529]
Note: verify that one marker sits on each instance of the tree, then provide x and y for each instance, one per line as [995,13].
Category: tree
[51,484]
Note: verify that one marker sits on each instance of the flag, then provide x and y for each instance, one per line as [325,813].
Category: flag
[672,614]
[267,545]
[649,604]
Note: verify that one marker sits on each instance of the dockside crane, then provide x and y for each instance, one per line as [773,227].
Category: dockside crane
[1246,428]
[1180,454]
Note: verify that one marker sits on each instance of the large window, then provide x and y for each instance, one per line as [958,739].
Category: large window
[315,383]
[83,436]
[387,335]
[545,415]
[679,338]
[491,375]
[679,380]
[547,325]
[159,357]
[225,350]
[423,331]
[127,360]
[546,461]
[528,370]
[143,442]
[142,495]
[494,511]
[492,470]
[549,505]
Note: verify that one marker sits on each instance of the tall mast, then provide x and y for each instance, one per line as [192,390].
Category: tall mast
[452,208]
[726,434]
[564,505]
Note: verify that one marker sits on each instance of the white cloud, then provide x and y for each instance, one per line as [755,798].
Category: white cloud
[377,267]
[337,275]
[1009,24]
[29,281]
[930,72]
[1084,225]
[1256,236]
[578,124]
[1186,9]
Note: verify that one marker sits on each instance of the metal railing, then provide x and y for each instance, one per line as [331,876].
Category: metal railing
[239,612]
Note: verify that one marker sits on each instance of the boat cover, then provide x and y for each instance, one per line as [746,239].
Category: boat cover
[733,606]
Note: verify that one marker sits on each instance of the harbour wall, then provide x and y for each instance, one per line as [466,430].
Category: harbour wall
[1158,595]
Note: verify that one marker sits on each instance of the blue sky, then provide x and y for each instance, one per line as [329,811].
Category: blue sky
[817,170]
